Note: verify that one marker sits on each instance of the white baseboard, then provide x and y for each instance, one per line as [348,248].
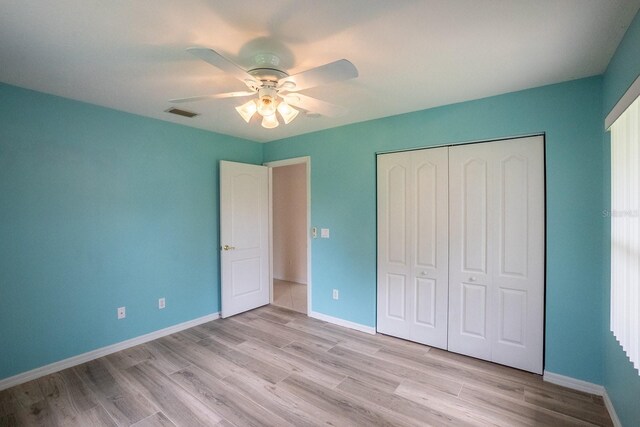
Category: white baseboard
[100,352]
[586,387]
[612,411]
[573,383]
[342,322]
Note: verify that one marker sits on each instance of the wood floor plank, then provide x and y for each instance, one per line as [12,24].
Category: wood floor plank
[290,334]
[274,318]
[196,334]
[446,403]
[265,370]
[33,414]
[354,412]
[281,311]
[528,379]
[199,356]
[222,335]
[8,403]
[175,402]
[279,401]
[230,404]
[399,370]
[359,342]
[247,332]
[156,420]
[66,402]
[399,405]
[124,405]
[578,409]
[525,412]
[96,417]
[459,373]
[28,393]
[345,366]
[294,364]
[161,357]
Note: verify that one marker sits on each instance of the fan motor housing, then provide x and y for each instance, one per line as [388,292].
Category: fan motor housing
[267,74]
[266,68]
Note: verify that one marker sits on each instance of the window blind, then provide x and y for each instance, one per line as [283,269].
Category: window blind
[625,234]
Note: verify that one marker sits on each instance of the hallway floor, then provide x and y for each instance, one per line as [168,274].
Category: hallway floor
[290,295]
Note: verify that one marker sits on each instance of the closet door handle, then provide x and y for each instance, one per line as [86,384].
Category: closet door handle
[472,279]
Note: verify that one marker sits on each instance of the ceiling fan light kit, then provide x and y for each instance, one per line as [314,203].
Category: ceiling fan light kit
[270,121]
[272,85]
[287,112]
[247,110]
[266,105]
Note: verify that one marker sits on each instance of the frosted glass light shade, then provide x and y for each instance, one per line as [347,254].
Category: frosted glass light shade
[247,110]
[270,121]
[266,105]
[287,112]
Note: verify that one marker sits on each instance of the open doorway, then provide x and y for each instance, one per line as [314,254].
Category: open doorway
[290,246]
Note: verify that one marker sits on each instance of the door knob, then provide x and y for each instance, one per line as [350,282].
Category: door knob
[228,248]
[472,279]
[424,273]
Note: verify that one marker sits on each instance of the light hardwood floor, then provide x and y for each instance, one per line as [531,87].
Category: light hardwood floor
[276,367]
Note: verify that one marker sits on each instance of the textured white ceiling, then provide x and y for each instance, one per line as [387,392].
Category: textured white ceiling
[411,55]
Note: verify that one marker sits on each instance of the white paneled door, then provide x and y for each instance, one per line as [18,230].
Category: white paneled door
[244,237]
[461,249]
[496,264]
[412,246]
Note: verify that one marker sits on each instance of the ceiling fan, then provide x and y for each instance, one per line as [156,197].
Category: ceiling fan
[276,90]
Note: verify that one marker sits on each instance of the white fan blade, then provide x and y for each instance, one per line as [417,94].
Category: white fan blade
[219,61]
[314,105]
[328,73]
[216,96]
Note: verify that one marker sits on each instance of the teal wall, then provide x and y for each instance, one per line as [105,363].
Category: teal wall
[343,197]
[620,378]
[101,209]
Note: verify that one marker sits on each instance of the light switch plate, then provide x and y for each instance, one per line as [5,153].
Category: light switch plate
[324,233]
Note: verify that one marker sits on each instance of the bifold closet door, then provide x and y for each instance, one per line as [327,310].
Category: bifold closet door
[413,245]
[496,263]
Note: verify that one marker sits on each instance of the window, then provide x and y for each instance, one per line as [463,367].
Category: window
[625,233]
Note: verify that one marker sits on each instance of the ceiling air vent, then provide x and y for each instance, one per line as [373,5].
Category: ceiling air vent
[179,112]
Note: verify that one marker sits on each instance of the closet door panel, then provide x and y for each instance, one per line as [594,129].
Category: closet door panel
[518,282]
[431,260]
[496,274]
[413,245]
[395,278]
[469,267]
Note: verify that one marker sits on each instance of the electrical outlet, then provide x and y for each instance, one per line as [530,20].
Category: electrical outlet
[122,313]
[314,232]
[161,303]
[336,295]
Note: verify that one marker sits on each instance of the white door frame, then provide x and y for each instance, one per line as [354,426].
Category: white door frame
[287,162]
